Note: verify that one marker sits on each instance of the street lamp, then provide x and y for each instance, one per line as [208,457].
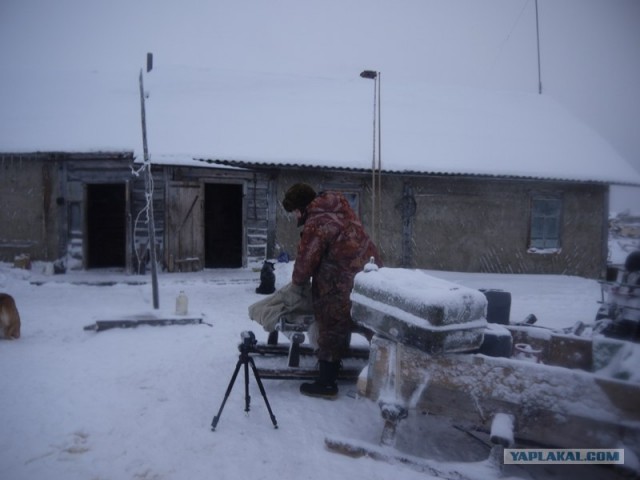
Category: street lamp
[376,161]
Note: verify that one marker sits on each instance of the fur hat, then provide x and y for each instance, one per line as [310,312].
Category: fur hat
[298,197]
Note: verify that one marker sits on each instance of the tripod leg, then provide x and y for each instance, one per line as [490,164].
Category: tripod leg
[262,391]
[214,423]
[247,397]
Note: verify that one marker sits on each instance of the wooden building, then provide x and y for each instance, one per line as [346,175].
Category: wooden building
[90,211]
[465,222]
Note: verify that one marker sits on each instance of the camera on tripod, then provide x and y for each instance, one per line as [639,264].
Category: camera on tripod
[248,341]
[247,346]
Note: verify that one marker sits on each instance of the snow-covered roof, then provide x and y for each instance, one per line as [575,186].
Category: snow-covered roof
[317,121]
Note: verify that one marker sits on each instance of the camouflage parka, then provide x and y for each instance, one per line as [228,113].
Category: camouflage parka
[333,248]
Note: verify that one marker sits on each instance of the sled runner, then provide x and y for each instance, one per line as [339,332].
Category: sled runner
[300,354]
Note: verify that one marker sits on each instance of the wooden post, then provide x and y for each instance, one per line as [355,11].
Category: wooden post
[151,228]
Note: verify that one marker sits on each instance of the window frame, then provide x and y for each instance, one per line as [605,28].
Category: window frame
[550,217]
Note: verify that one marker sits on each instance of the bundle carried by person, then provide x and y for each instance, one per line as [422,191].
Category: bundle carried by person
[291,302]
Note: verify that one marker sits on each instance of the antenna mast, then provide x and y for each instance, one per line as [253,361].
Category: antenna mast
[538,45]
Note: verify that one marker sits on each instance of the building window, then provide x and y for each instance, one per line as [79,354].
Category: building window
[545,224]
[350,192]
[354,200]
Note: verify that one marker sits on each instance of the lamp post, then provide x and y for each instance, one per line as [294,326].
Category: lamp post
[376,161]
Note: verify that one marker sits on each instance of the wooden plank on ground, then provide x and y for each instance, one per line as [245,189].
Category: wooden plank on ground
[293,373]
[101,325]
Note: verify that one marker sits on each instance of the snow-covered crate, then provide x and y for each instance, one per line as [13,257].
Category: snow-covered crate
[418,310]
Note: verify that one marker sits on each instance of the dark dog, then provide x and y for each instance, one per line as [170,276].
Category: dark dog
[9,317]
[267,279]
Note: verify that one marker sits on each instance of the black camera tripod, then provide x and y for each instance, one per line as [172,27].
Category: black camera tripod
[247,346]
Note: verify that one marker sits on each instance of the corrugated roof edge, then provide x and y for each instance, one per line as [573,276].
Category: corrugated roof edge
[280,165]
[67,154]
[244,164]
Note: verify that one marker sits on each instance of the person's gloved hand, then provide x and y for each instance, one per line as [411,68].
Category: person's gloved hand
[296,296]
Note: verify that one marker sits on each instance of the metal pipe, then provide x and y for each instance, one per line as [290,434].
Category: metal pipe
[538,45]
[373,75]
[379,82]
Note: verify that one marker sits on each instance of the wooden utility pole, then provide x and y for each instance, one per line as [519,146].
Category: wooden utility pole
[148,181]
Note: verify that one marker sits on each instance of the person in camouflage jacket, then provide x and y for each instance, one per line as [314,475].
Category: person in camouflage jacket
[333,248]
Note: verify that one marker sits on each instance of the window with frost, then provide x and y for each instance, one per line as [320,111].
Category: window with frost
[546,213]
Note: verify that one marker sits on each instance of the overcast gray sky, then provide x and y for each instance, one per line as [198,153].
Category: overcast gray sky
[589,48]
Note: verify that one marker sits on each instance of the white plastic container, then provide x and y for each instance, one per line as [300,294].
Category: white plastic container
[182,304]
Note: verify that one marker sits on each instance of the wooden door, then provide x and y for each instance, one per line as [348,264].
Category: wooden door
[185,226]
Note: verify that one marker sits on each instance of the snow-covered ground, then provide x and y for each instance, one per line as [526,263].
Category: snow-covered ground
[138,403]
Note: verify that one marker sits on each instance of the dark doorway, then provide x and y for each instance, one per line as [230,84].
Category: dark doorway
[222,225]
[106,225]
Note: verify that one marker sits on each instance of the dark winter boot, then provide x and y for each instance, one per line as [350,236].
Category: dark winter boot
[325,386]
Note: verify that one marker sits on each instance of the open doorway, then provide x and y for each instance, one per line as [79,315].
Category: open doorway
[106,225]
[223,225]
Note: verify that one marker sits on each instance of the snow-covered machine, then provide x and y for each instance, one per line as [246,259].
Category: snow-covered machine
[418,310]
[434,355]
